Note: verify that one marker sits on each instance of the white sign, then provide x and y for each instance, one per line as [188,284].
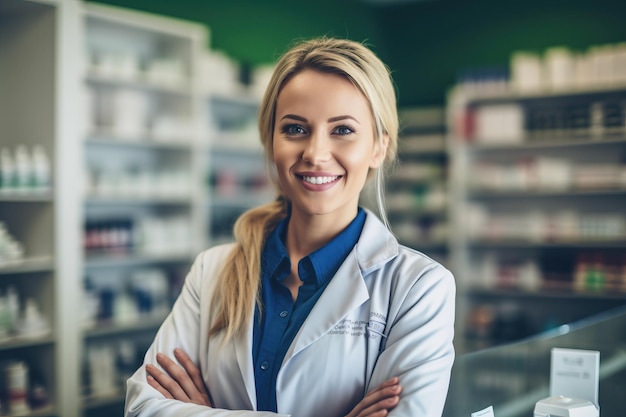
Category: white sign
[574,374]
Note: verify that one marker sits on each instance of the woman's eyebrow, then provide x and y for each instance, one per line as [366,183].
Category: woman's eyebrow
[294,117]
[338,118]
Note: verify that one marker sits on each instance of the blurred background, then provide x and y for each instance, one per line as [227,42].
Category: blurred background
[128,143]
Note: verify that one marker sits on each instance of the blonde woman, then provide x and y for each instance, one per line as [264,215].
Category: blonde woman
[316,310]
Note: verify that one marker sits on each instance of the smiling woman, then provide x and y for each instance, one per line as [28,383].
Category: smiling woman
[315,309]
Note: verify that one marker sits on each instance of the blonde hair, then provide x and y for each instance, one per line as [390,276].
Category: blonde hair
[240,278]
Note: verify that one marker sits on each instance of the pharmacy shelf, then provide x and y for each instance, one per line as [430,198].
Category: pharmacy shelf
[108,329]
[417,187]
[103,139]
[27,265]
[93,402]
[545,294]
[17,342]
[180,89]
[508,244]
[163,156]
[26,197]
[546,193]
[508,96]
[585,191]
[37,110]
[100,261]
[236,175]
[567,142]
[120,201]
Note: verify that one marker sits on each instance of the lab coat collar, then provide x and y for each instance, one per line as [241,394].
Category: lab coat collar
[347,290]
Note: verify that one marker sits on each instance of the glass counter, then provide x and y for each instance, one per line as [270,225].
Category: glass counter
[513,377]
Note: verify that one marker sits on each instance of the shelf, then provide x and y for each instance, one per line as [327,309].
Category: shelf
[240,199]
[26,196]
[526,244]
[240,100]
[503,293]
[102,139]
[541,177]
[242,144]
[540,144]
[27,265]
[108,329]
[96,401]
[130,259]
[16,342]
[497,194]
[183,88]
[122,200]
[434,246]
[543,95]
[417,212]
[46,411]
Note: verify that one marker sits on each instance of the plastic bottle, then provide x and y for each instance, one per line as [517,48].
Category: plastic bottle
[7,170]
[23,168]
[17,387]
[5,320]
[41,168]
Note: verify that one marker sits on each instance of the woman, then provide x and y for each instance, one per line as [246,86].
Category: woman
[316,310]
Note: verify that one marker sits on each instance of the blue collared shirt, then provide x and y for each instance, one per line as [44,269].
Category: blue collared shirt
[280,319]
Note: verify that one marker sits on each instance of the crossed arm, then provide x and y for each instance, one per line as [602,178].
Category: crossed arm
[184,383]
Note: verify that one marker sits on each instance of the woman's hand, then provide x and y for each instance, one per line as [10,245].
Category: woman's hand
[379,401]
[183,384]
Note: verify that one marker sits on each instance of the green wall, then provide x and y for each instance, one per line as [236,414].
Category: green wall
[425,43]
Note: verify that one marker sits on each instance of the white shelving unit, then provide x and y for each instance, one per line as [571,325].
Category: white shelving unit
[538,208]
[134,140]
[237,177]
[144,196]
[417,189]
[38,52]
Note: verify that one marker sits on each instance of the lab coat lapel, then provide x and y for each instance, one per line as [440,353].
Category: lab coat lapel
[345,292]
[243,349]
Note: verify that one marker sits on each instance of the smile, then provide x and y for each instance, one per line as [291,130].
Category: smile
[320,180]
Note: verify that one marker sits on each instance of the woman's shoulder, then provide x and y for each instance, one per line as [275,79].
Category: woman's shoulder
[420,264]
[214,257]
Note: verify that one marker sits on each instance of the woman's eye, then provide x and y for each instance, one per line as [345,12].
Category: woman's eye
[293,130]
[343,130]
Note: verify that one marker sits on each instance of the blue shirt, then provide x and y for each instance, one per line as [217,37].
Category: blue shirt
[278,322]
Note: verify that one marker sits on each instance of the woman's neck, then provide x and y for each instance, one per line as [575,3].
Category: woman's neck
[307,233]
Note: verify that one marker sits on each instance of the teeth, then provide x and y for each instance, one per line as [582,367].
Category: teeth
[320,180]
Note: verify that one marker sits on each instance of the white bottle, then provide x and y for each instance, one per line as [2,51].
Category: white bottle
[17,386]
[41,168]
[5,320]
[23,168]
[13,305]
[7,170]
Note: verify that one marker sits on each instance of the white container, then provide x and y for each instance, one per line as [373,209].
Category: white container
[565,407]
[17,387]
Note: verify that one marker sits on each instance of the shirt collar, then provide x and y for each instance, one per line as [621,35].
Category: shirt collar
[317,267]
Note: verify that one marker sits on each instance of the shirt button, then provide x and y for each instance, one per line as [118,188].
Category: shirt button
[265,365]
[283,314]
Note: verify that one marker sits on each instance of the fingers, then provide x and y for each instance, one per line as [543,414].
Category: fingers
[179,383]
[163,383]
[155,384]
[183,381]
[379,401]
[202,394]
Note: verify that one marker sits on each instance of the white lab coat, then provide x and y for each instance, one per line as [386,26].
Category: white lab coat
[388,311]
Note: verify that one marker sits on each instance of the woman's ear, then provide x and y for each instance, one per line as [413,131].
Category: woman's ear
[380,151]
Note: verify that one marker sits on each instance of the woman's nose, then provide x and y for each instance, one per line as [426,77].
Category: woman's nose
[317,149]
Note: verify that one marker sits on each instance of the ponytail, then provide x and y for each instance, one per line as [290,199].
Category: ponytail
[240,278]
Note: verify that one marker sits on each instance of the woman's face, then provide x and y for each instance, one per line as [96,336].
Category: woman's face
[324,144]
